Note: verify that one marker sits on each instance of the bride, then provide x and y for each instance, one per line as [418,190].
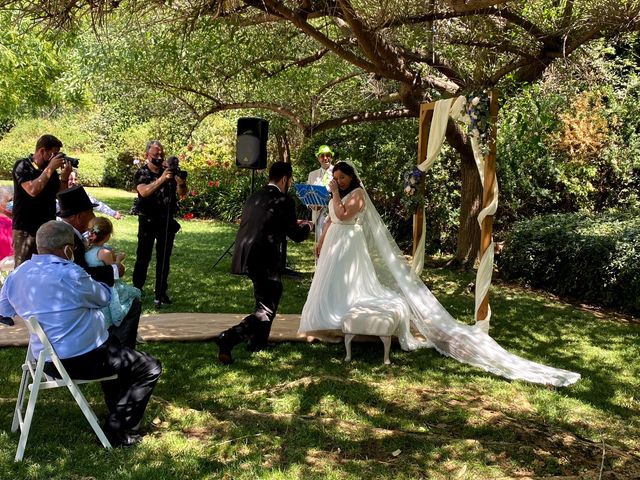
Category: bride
[360,265]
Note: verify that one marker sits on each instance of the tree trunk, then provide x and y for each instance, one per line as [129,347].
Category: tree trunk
[471,204]
[471,200]
[284,150]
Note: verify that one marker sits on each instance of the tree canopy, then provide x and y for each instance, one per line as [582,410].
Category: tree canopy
[321,64]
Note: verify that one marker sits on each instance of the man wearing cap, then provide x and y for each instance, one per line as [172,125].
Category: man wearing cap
[321,176]
[76,209]
[35,184]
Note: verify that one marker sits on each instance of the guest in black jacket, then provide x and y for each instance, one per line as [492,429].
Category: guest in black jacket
[268,216]
[76,209]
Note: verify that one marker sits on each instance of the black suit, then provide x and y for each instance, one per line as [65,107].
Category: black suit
[127,331]
[268,216]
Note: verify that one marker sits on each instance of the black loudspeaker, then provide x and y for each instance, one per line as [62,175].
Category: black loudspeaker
[251,145]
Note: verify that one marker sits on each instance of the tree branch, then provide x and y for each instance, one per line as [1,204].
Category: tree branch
[279,109]
[375,47]
[567,15]
[336,81]
[437,64]
[303,62]
[274,7]
[359,118]
[498,47]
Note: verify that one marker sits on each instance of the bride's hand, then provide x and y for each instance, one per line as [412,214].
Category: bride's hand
[333,187]
[318,247]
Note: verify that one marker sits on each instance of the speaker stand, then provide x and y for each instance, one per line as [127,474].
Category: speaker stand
[228,250]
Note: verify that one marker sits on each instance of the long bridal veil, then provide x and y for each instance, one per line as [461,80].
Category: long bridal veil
[465,343]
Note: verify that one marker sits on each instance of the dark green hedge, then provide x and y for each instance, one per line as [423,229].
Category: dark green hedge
[594,258]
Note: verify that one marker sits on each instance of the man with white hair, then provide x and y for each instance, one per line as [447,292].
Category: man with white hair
[67,302]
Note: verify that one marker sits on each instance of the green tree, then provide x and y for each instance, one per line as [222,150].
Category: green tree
[323,64]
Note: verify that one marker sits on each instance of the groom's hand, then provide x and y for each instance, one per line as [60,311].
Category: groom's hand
[306,222]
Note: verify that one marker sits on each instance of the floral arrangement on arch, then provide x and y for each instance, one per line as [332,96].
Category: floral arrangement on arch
[477,117]
[411,181]
[411,178]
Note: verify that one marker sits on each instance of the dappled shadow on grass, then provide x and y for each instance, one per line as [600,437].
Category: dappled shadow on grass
[196,286]
[328,417]
[301,411]
[547,331]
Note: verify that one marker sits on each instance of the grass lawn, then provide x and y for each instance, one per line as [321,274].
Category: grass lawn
[299,411]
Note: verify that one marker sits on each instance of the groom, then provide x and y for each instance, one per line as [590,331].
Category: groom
[268,216]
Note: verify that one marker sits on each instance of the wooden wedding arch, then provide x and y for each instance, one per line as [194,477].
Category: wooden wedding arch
[487,172]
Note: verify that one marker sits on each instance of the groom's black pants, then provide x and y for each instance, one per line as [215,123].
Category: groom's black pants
[255,328]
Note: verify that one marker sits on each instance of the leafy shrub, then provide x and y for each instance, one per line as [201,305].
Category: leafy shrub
[568,151]
[595,258]
[217,188]
[91,169]
[71,129]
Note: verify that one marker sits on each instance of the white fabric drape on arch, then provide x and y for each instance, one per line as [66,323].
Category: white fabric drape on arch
[443,110]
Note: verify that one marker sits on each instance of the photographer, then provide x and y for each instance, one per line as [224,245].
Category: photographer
[159,187]
[35,184]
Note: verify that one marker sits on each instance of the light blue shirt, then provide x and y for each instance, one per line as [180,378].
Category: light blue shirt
[65,299]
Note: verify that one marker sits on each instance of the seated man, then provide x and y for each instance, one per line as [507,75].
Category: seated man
[76,209]
[67,303]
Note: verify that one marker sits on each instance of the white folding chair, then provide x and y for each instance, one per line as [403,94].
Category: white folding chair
[34,379]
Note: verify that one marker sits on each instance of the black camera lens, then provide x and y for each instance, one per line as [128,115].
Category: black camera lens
[74,162]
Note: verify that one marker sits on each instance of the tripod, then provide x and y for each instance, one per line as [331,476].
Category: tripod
[228,250]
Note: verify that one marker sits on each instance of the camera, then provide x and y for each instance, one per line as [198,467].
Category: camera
[70,160]
[173,165]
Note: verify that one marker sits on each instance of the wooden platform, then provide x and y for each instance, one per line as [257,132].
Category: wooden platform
[187,327]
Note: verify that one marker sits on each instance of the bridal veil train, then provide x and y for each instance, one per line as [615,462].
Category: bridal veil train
[345,281]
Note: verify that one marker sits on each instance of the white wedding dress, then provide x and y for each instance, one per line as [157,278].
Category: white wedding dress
[361,267]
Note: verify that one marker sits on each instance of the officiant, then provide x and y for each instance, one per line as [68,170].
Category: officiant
[321,176]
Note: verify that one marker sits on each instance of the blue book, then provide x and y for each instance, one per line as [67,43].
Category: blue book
[312,195]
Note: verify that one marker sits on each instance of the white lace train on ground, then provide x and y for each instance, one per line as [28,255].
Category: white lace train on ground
[465,343]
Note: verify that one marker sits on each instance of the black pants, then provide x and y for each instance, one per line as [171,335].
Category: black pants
[162,231]
[127,396]
[127,331]
[255,328]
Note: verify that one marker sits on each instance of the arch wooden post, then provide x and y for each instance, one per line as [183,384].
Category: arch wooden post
[424,125]
[487,193]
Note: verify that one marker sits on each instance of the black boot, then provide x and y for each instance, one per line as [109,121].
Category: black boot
[225,344]
[260,339]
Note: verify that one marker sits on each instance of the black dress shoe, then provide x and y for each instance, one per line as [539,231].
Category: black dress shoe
[164,298]
[224,350]
[289,272]
[121,438]
[6,320]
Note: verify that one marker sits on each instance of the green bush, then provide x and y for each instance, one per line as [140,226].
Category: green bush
[119,170]
[594,258]
[71,129]
[91,169]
